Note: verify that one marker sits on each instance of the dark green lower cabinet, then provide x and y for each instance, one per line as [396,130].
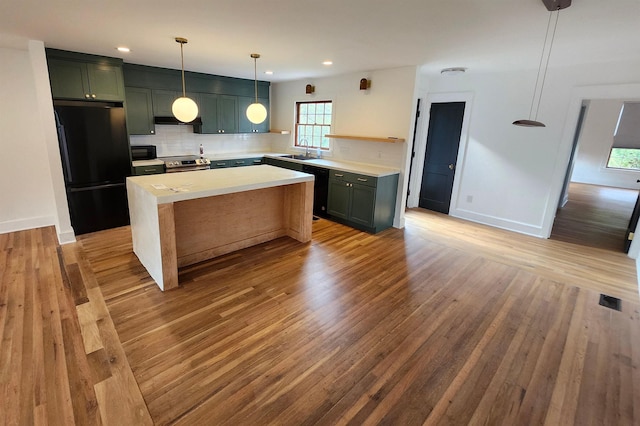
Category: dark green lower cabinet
[219,164]
[363,202]
[148,170]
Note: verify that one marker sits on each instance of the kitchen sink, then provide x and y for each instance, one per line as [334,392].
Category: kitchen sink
[300,157]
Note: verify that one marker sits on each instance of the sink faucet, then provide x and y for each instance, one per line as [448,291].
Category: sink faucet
[306,144]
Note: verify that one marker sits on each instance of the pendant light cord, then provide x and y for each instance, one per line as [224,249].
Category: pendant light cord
[184,92]
[546,65]
[255,76]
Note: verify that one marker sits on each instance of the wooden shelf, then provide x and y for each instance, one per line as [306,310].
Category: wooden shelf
[281,132]
[366,138]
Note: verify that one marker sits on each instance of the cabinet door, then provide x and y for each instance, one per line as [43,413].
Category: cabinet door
[69,79]
[363,202]
[162,101]
[139,111]
[209,112]
[338,199]
[106,82]
[244,125]
[228,113]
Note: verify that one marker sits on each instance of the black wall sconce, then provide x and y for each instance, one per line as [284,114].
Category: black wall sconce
[309,89]
[365,84]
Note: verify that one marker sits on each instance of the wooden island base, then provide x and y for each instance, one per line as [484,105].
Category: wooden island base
[170,234]
[208,227]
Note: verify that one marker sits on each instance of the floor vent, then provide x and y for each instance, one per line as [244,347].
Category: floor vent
[610,302]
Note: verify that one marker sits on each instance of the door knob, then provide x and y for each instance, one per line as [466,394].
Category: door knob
[451,166]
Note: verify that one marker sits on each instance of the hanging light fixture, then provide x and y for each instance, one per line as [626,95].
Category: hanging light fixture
[533,122]
[183,108]
[256,112]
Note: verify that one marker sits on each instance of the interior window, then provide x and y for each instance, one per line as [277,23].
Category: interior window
[624,158]
[625,150]
[313,122]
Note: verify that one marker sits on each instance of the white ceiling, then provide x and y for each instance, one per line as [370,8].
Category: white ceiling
[295,36]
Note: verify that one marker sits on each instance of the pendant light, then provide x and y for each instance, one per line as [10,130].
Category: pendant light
[183,108]
[256,112]
[534,122]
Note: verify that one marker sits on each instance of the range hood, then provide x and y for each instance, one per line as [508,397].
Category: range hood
[172,120]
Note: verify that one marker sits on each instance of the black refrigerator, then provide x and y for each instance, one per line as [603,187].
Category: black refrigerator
[94,148]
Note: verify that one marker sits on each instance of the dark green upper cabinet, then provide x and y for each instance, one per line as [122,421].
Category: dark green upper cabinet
[162,102]
[88,77]
[222,101]
[244,125]
[139,106]
[219,113]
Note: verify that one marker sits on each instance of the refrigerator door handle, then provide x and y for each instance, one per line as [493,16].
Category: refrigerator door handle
[91,188]
[65,151]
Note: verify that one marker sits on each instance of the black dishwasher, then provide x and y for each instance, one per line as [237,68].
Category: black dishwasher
[320,188]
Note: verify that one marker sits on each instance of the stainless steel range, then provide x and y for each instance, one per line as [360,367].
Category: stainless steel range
[185,163]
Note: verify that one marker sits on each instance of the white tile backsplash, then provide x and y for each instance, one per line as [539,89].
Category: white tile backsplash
[180,140]
[173,140]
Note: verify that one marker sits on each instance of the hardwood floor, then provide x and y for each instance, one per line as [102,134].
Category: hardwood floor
[444,322]
[595,216]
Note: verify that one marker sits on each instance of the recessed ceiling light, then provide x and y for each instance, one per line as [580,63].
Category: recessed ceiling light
[123,49]
[327,63]
[268,72]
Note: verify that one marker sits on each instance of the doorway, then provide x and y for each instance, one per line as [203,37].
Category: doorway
[439,167]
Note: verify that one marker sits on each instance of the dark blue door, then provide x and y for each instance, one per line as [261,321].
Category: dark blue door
[443,139]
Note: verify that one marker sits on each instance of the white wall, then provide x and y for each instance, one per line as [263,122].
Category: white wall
[386,109]
[514,175]
[25,177]
[594,146]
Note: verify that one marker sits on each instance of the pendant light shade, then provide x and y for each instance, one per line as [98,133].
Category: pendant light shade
[256,112]
[183,108]
[533,122]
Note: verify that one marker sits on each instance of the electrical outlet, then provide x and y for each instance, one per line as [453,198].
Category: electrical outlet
[469,198]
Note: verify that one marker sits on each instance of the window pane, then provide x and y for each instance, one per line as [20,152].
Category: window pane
[320,108]
[328,108]
[624,158]
[311,109]
[327,119]
[303,109]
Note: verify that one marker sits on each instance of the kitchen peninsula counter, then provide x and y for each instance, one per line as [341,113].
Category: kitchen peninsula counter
[178,219]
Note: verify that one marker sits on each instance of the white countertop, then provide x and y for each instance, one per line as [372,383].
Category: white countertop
[172,187]
[343,166]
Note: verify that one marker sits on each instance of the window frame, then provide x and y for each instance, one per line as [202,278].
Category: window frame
[297,125]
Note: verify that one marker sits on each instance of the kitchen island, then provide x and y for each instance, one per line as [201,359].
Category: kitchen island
[179,219]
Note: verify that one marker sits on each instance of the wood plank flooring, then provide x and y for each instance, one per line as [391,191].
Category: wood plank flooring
[595,216]
[443,322]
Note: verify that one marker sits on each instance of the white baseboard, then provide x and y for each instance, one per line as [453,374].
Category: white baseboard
[22,224]
[509,225]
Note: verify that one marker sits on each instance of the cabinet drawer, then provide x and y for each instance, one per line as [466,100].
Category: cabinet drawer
[354,178]
[240,162]
[219,164]
[148,170]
